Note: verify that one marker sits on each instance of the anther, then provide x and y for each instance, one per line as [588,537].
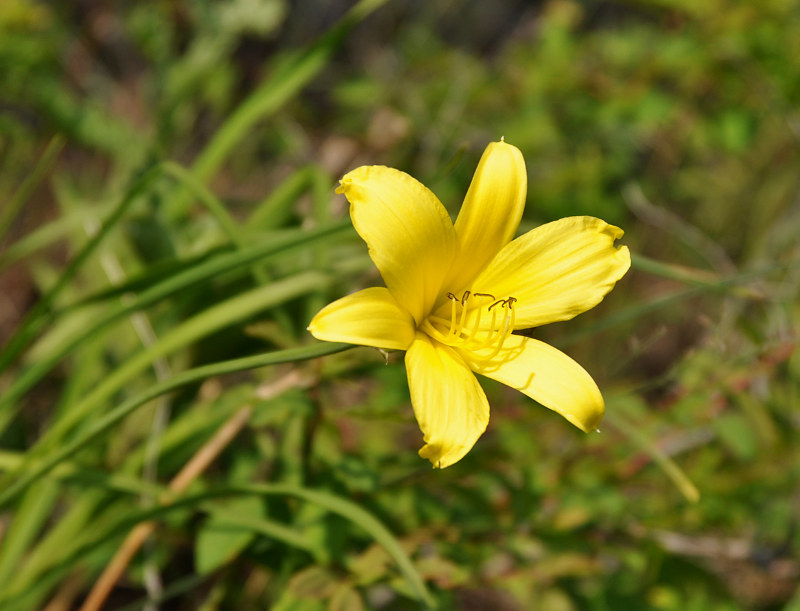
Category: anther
[498,302]
[464,298]
[489,295]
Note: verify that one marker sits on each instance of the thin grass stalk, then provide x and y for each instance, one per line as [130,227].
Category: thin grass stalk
[667,465]
[29,185]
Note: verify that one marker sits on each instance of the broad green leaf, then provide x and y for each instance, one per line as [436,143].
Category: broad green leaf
[346,598]
[218,541]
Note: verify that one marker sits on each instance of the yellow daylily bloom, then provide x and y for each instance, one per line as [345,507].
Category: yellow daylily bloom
[455,293]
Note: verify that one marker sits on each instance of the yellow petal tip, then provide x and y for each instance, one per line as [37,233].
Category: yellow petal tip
[589,420]
[439,456]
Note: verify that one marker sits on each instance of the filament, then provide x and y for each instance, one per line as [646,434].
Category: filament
[485,333]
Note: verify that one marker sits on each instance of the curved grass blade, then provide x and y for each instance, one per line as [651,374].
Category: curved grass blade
[31,470]
[274,210]
[234,310]
[29,185]
[207,198]
[343,507]
[47,235]
[286,82]
[360,517]
[36,318]
[667,465]
[172,285]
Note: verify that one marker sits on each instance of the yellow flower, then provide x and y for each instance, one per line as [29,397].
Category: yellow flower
[455,293]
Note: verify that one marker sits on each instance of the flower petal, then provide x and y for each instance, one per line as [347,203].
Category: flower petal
[558,270]
[408,231]
[491,212]
[370,317]
[450,406]
[548,376]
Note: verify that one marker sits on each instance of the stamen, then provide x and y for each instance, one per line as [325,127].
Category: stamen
[473,334]
[463,312]
[508,327]
[492,330]
[433,332]
[481,336]
[452,312]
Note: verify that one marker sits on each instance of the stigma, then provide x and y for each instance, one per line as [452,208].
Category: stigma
[478,323]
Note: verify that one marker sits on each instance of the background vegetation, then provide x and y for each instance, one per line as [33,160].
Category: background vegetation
[169,227]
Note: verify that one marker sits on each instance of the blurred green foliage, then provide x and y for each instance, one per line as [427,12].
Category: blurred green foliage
[167,209]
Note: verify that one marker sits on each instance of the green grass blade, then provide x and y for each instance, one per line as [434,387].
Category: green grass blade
[87,121]
[624,315]
[234,310]
[34,510]
[208,199]
[36,318]
[362,518]
[205,270]
[285,83]
[274,210]
[43,237]
[31,470]
[29,584]
[728,283]
[74,473]
[665,463]
[217,209]
[268,528]
[26,189]
[343,507]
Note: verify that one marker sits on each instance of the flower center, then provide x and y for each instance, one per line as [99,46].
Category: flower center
[478,322]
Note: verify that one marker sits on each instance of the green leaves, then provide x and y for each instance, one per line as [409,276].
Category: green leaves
[229,528]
